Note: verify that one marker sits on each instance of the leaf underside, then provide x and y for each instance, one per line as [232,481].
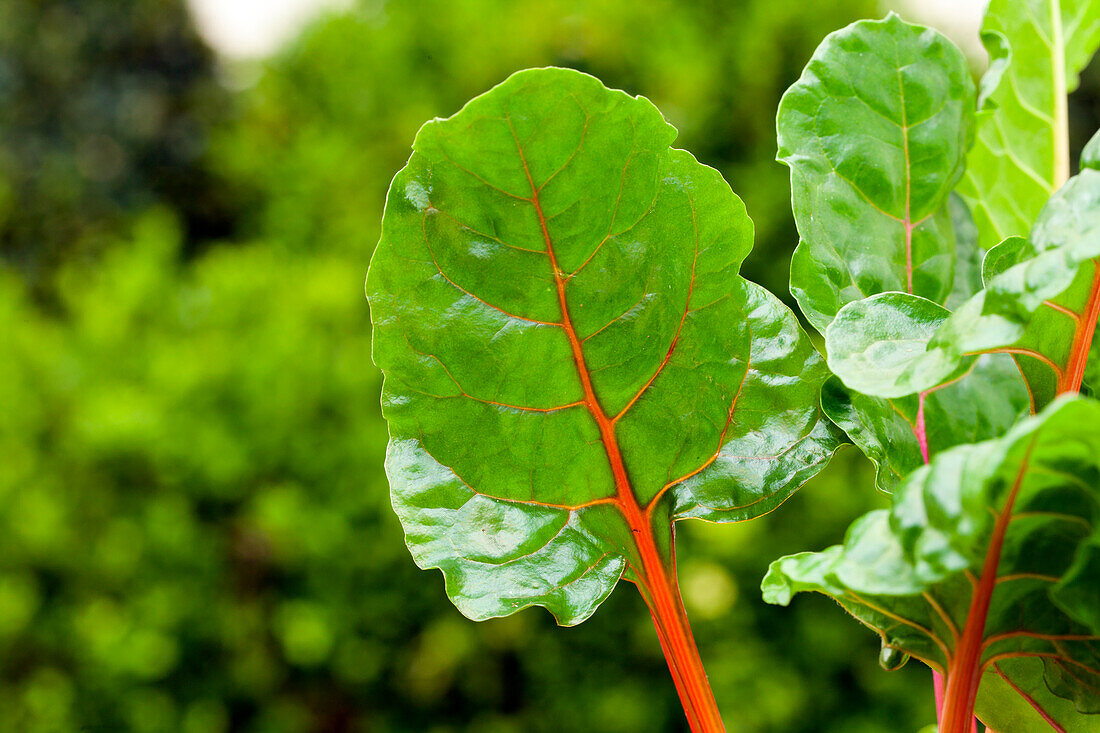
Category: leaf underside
[911,572]
[570,355]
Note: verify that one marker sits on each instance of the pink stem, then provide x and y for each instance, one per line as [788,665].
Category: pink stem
[919,429]
[939,687]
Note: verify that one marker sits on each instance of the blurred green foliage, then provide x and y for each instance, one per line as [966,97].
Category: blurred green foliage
[106,108]
[195,532]
[196,537]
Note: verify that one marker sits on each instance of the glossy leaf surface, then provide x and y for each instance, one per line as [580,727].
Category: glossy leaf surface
[875,133]
[1037,48]
[989,400]
[1040,305]
[900,434]
[1012,523]
[571,359]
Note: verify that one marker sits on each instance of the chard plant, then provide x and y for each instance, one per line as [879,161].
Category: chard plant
[956,369]
[573,362]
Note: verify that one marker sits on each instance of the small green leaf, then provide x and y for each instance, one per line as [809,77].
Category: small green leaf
[1011,521]
[984,405]
[1040,304]
[1003,256]
[875,133]
[879,346]
[571,358]
[1037,48]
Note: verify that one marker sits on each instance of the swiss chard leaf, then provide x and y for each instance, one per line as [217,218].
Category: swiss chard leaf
[1037,48]
[571,358]
[1014,696]
[1040,304]
[987,554]
[875,133]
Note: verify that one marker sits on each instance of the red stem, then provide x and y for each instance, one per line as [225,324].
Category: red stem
[919,429]
[655,579]
[938,690]
[1082,339]
[661,593]
[938,686]
[965,670]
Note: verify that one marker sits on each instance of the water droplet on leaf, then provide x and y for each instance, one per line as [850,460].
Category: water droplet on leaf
[892,659]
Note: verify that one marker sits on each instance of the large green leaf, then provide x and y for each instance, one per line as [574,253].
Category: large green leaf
[1037,48]
[571,359]
[1012,522]
[875,132]
[1040,304]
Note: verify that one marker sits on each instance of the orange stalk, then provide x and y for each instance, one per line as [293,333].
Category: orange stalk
[655,580]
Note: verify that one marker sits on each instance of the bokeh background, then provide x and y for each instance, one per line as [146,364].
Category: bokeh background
[195,532]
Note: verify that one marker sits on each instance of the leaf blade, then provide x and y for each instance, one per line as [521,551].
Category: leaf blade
[1037,49]
[875,133]
[564,335]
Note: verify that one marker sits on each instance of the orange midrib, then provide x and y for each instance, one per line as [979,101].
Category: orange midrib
[667,615]
[964,674]
[658,587]
[1074,372]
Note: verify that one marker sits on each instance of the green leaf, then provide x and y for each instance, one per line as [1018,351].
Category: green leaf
[879,346]
[571,359]
[1037,48]
[1012,521]
[875,133]
[1003,256]
[1040,304]
[1014,697]
[984,405]
[968,255]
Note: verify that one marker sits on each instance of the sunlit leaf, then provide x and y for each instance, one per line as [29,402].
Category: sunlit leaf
[571,359]
[1037,48]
